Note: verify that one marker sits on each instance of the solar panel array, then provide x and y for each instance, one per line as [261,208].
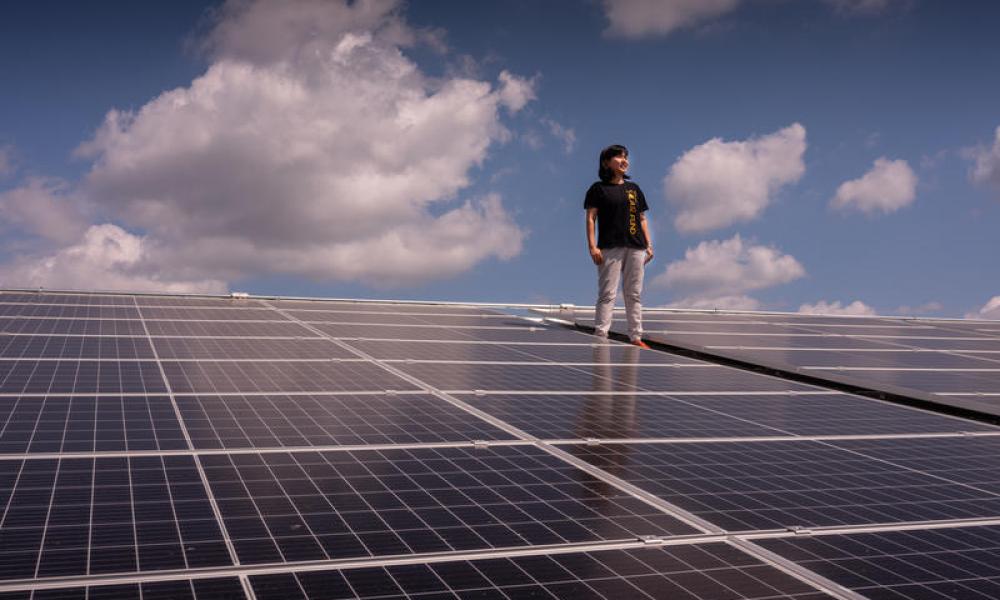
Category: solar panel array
[950,362]
[199,447]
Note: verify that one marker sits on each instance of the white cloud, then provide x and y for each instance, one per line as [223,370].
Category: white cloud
[566,135]
[719,183]
[643,18]
[106,258]
[990,310]
[863,7]
[515,92]
[715,269]
[740,302]
[986,167]
[836,308]
[311,146]
[636,19]
[46,208]
[887,187]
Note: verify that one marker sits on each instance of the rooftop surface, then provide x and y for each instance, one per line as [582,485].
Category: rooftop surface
[213,447]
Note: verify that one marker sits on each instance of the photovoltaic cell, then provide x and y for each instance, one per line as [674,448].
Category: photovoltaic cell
[275,421]
[597,378]
[227,329]
[490,351]
[88,424]
[929,381]
[420,332]
[318,505]
[123,327]
[888,359]
[980,344]
[63,311]
[212,314]
[711,571]
[87,299]
[74,347]
[611,417]
[625,416]
[227,588]
[194,301]
[834,414]
[79,516]
[209,377]
[248,348]
[721,340]
[79,377]
[973,461]
[956,564]
[376,307]
[775,485]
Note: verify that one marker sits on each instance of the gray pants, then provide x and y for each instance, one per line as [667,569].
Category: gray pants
[625,266]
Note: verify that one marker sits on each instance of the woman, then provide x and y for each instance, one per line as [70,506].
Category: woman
[618,208]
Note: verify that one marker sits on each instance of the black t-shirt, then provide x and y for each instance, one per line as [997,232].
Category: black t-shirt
[619,208]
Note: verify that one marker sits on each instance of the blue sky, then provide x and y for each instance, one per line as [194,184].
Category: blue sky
[815,154]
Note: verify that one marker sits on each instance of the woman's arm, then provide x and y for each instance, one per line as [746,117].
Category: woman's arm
[644,223]
[595,252]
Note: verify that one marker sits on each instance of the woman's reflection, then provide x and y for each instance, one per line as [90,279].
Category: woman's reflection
[603,414]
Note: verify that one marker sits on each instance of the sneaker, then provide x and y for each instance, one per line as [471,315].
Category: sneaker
[641,344]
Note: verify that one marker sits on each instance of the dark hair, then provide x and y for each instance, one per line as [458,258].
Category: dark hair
[611,151]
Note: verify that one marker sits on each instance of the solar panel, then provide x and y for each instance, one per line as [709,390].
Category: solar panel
[205,447]
[69,424]
[743,486]
[704,571]
[952,563]
[953,363]
[328,420]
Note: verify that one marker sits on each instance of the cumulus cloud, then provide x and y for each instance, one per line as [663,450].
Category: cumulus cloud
[515,92]
[107,257]
[715,270]
[863,7]
[990,310]
[47,208]
[986,163]
[740,302]
[566,135]
[311,146]
[887,187]
[643,18]
[836,308]
[636,19]
[719,183]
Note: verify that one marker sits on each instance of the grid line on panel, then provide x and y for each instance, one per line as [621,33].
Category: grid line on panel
[311,421]
[345,565]
[668,508]
[807,575]
[413,380]
[197,462]
[787,483]
[955,564]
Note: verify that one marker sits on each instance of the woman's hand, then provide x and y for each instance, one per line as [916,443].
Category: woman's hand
[595,255]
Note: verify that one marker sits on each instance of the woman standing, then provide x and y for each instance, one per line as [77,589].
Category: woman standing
[616,208]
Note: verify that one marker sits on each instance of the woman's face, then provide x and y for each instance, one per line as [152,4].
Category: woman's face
[618,164]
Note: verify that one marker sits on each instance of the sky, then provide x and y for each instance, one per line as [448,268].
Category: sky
[835,156]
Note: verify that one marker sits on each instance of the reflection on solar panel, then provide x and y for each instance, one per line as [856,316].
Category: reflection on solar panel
[957,563]
[953,363]
[204,447]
